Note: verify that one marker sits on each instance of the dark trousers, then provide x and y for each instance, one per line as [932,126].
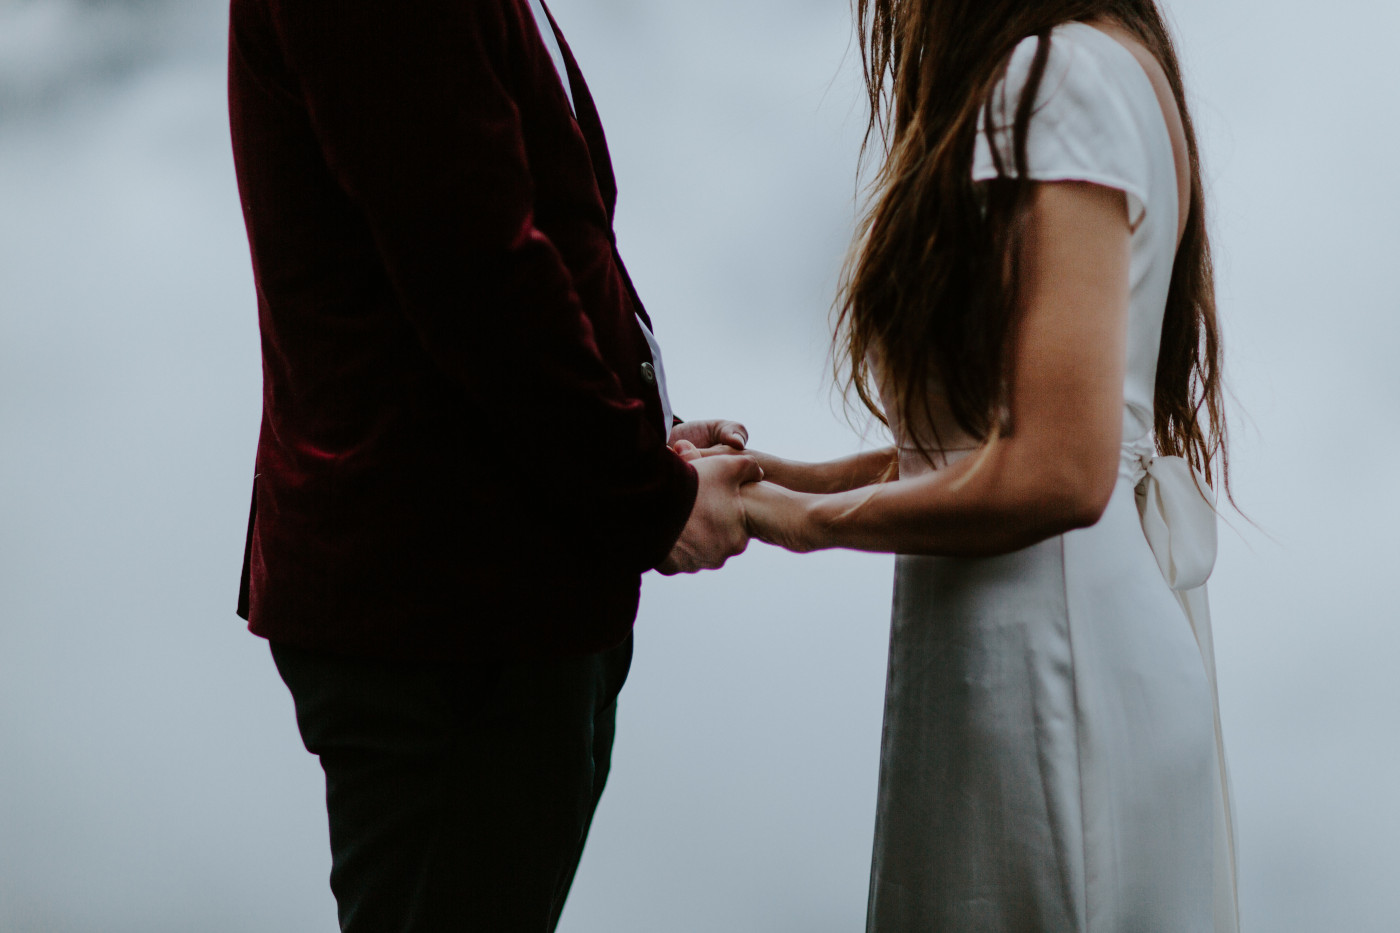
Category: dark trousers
[459,797]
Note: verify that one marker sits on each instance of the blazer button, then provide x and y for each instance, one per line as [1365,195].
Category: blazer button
[649,374]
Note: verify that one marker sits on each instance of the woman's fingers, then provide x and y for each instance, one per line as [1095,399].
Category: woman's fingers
[689,451]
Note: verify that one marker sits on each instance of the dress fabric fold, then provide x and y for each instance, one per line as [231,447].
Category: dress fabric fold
[1051,757]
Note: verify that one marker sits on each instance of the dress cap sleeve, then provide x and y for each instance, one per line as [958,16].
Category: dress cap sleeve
[1083,127]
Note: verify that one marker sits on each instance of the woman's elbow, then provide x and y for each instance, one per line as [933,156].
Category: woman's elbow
[1083,495]
[1066,498]
[1043,496]
[1086,510]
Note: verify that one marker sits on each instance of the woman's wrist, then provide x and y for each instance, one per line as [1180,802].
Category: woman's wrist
[790,474]
[829,476]
[814,516]
[854,472]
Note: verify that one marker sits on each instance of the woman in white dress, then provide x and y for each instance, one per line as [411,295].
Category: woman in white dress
[1031,310]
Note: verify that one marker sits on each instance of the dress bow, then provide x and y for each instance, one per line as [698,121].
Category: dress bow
[1178,520]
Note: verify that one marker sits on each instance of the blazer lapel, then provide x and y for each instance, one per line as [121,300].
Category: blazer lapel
[587,115]
[589,123]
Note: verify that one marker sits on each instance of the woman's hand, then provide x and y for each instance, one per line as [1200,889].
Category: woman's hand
[781,516]
[787,473]
[772,513]
[853,472]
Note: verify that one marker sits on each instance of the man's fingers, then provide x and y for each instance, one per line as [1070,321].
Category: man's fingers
[731,469]
[677,562]
[716,528]
[742,470]
[734,434]
[747,470]
[742,545]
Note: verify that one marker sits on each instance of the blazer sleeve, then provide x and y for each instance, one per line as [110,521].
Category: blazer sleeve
[412,108]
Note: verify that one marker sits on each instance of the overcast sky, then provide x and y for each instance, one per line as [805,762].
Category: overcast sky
[151,776]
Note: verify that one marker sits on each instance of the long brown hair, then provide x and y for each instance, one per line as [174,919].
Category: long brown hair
[931,289]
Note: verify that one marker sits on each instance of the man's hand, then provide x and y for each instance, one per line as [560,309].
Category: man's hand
[716,530]
[711,433]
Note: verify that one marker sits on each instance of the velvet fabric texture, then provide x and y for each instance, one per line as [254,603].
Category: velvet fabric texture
[459,455]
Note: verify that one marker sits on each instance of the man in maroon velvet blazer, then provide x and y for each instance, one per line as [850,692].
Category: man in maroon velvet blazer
[463,468]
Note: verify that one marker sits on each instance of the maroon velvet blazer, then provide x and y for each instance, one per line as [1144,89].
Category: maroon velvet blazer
[460,456]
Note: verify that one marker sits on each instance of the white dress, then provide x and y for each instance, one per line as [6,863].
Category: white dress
[1051,758]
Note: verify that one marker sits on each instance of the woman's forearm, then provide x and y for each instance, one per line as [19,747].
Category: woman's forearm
[990,503]
[831,476]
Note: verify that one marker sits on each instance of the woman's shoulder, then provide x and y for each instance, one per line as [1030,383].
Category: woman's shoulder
[1091,119]
[1084,69]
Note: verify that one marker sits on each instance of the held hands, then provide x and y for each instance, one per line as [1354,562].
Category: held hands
[781,516]
[832,476]
[727,436]
[716,529]
[735,502]
[770,512]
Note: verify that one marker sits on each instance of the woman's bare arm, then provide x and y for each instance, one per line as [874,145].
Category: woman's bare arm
[1057,469]
[832,476]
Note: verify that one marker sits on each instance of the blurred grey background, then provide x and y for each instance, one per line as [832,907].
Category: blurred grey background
[151,777]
